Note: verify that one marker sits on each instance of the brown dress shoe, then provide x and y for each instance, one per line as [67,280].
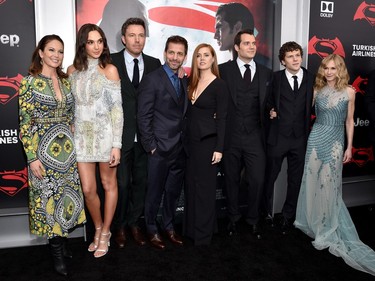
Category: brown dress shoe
[120,238]
[156,241]
[137,235]
[174,238]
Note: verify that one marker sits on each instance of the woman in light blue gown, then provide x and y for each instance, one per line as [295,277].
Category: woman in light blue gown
[321,212]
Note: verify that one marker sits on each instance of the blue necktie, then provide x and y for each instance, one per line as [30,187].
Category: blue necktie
[176,84]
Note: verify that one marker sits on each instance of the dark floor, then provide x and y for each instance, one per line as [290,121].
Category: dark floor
[275,257]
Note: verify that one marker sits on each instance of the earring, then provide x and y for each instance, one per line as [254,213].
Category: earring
[41,62]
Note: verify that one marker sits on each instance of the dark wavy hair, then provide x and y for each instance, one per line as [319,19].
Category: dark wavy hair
[80,59]
[289,47]
[36,64]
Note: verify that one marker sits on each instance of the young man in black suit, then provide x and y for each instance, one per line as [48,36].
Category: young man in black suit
[162,104]
[289,114]
[132,65]
[247,83]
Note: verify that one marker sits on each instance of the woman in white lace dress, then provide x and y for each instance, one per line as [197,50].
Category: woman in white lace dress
[98,127]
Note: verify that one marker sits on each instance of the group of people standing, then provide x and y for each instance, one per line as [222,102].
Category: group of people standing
[150,131]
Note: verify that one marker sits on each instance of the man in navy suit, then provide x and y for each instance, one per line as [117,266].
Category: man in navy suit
[132,65]
[162,104]
[247,83]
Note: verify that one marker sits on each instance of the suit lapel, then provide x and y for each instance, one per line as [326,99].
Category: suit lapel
[168,85]
[234,74]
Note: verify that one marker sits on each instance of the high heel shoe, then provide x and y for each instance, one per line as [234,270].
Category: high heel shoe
[104,240]
[94,245]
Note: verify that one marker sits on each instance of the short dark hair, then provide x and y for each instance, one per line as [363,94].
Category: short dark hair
[132,21]
[289,47]
[177,40]
[234,12]
[237,38]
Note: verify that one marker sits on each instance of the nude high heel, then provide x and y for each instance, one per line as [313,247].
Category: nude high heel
[104,240]
[94,244]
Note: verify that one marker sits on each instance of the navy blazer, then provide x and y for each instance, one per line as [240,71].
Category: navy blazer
[129,95]
[273,101]
[161,122]
[228,72]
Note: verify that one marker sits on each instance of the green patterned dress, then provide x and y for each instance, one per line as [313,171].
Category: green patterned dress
[55,202]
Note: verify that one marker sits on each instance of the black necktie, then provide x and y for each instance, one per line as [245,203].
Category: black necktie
[295,85]
[247,74]
[135,80]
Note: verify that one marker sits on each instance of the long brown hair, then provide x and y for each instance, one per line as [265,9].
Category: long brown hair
[80,59]
[195,73]
[36,66]
[342,73]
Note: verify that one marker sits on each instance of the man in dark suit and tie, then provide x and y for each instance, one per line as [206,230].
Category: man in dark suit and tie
[289,109]
[247,83]
[162,104]
[132,66]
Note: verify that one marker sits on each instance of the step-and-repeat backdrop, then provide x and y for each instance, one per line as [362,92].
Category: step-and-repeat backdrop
[342,27]
[347,28]
[17,42]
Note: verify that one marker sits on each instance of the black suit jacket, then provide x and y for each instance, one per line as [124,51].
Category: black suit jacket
[228,72]
[370,103]
[161,121]
[273,101]
[129,95]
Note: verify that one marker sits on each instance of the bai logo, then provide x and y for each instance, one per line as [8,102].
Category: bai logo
[11,40]
[326,9]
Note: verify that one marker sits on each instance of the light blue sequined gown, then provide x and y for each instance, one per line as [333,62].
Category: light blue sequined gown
[321,212]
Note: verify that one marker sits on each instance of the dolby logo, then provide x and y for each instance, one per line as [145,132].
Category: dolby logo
[326,9]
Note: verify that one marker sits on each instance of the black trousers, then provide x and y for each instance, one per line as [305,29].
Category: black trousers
[294,149]
[245,150]
[132,184]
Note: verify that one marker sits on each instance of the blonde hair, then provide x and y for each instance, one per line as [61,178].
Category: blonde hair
[342,73]
[194,74]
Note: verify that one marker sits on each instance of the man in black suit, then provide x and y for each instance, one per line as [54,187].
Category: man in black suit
[289,108]
[162,104]
[132,66]
[247,82]
[370,106]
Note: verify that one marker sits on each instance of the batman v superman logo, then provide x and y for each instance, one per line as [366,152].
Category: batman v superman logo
[9,88]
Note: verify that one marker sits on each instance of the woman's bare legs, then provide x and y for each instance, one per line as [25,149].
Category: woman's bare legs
[87,174]
[109,182]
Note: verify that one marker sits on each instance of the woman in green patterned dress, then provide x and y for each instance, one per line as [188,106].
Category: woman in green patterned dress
[46,114]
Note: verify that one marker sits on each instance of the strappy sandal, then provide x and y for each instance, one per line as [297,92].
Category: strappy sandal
[104,240]
[94,245]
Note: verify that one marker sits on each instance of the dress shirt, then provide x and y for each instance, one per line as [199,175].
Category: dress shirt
[241,66]
[129,63]
[290,78]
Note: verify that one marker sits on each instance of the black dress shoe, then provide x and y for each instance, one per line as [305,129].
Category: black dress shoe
[232,228]
[174,237]
[255,231]
[156,241]
[268,219]
[285,225]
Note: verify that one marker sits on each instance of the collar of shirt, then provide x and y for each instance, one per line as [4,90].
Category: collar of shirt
[241,66]
[129,63]
[169,72]
[290,78]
